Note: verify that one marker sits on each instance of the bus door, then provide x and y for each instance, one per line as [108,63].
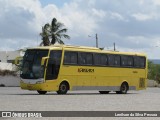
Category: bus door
[53,65]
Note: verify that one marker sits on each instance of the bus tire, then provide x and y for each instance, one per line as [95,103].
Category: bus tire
[123,88]
[104,92]
[42,92]
[63,88]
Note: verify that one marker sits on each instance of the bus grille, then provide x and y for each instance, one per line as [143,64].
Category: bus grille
[142,83]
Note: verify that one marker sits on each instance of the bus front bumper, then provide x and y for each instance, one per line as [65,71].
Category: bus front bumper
[40,87]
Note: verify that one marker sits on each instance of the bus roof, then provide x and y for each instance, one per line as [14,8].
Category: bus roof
[87,49]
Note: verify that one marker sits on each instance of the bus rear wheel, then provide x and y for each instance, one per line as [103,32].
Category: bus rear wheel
[104,92]
[42,92]
[123,89]
[63,88]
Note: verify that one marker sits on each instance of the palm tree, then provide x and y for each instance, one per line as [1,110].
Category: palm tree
[58,32]
[55,32]
[45,35]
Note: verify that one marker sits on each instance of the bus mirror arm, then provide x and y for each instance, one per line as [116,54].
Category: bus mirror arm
[18,61]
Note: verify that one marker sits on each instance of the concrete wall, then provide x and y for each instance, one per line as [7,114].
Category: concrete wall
[6,66]
[9,55]
[152,83]
[10,80]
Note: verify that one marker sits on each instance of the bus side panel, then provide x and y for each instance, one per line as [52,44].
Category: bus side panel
[103,77]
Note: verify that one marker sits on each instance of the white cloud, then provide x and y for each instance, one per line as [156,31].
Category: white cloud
[142,17]
[114,15]
[156,2]
[99,13]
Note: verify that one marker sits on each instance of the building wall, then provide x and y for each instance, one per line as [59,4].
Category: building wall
[6,56]
[9,81]
[6,66]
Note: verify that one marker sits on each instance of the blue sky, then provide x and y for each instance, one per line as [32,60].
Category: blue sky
[58,3]
[132,24]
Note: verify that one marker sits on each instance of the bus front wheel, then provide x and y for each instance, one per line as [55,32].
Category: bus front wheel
[42,92]
[63,88]
[123,89]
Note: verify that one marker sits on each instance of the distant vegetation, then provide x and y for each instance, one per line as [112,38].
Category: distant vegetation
[154,71]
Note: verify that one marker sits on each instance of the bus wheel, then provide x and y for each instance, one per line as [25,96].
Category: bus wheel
[123,89]
[42,92]
[104,92]
[63,88]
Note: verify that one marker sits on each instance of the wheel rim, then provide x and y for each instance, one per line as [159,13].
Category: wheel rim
[63,88]
[124,88]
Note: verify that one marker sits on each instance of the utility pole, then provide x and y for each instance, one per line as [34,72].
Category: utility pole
[114,46]
[96,40]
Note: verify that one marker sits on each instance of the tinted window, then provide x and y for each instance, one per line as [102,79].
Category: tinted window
[139,62]
[31,66]
[117,60]
[85,58]
[111,60]
[100,59]
[70,57]
[53,65]
[127,61]
[114,60]
[130,61]
[56,56]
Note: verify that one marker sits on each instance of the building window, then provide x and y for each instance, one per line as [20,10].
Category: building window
[10,61]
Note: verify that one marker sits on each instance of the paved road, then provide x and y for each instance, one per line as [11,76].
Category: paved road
[15,99]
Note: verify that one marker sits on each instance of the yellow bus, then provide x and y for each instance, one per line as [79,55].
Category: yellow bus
[61,68]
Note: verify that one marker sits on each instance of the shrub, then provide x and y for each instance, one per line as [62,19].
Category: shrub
[2,85]
[7,72]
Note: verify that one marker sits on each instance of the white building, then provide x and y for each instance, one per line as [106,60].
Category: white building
[7,58]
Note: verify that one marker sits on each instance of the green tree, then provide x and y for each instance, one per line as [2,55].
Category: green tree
[153,71]
[45,35]
[56,32]
[157,77]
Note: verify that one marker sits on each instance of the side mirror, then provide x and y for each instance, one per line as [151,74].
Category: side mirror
[43,61]
[18,61]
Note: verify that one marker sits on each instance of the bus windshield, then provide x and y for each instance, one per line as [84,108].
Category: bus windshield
[31,67]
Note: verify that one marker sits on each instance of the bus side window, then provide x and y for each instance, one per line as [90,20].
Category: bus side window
[130,61]
[111,60]
[127,61]
[117,60]
[114,60]
[66,58]
[124,61]
[103,60]
[139,62]
[85,58]
[142,62]
[70,57]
